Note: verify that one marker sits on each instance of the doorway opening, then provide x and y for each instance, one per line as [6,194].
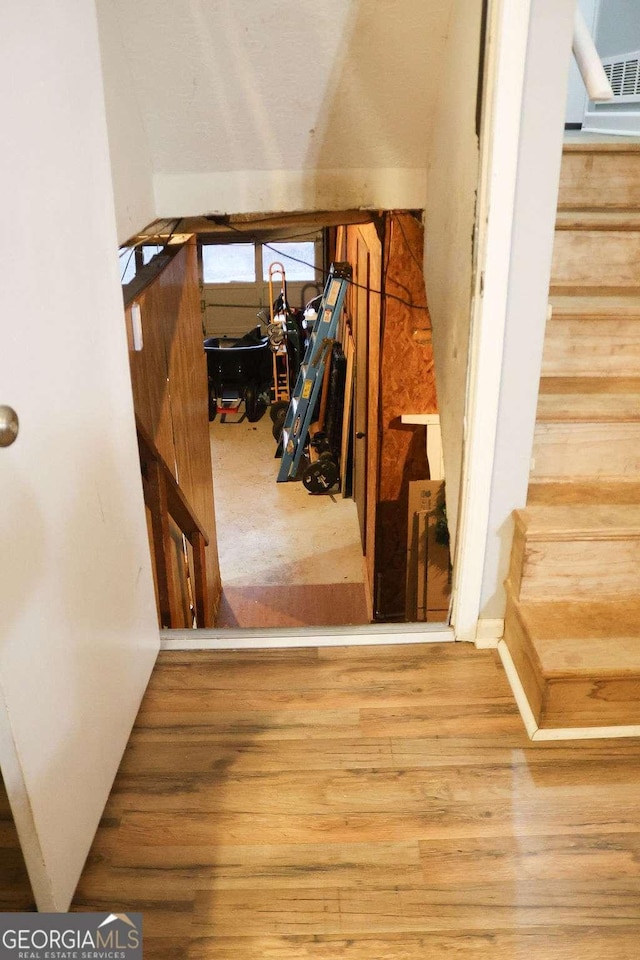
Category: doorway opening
[371,547]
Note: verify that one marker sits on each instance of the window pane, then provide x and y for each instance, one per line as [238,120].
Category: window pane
[127,264]
[149,251]
[282,252]
[228,263]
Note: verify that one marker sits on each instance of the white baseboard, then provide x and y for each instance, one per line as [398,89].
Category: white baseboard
[488,633]
[617,122]
[279,639]
[556,733]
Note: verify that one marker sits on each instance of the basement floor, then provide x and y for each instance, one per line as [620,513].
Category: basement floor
[287,558]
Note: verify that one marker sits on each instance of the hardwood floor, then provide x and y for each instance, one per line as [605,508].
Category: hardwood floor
[379,803]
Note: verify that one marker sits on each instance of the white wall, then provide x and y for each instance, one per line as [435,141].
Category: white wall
[131,167]
[536,197]
[79,633]
[617,33]
[286,105]
[452,177]
[618,28]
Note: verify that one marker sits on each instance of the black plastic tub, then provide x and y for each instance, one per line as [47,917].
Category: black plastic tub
[242,368]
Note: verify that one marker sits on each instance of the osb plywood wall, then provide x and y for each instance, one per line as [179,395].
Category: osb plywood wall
[407,385]
[169,378]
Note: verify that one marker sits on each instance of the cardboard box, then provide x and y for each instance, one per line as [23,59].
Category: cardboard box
[428,573]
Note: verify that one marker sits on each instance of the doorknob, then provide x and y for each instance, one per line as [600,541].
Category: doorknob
[360,435]
[8,426]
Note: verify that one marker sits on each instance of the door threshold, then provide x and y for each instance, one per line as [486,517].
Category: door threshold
[281,638]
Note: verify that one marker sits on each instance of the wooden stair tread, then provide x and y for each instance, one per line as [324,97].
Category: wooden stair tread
[614,219]
[589,407]
[596,305]
[627,290]
[586,492]
[580,522]
[576,639]
[614,145]
[584,385]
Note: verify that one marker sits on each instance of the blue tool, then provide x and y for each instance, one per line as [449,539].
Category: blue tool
[305,395]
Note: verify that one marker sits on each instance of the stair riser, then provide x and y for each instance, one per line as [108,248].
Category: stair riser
[580,450]
[596,258]
[599,702]
[524,658]
[572,702]
[603,180]
[592,348]
[576,569]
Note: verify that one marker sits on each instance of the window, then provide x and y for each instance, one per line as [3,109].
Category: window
[228,263]
[127,257]
[149,251]
[289,255]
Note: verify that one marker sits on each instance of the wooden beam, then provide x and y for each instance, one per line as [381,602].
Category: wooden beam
[204,612]
[156,490]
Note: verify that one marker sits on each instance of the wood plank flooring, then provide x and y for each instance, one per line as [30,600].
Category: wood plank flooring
[379,803]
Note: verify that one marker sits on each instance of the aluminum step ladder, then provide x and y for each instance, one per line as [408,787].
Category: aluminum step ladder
[309,382]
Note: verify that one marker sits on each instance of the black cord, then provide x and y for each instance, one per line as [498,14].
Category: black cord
[325,273]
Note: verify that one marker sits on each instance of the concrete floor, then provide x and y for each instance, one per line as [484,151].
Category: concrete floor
[276,533]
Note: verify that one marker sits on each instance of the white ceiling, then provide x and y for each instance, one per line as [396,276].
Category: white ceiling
[225,85]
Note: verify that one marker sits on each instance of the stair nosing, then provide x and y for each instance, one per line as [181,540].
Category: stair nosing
[526,516]
[596,215]
[583,408]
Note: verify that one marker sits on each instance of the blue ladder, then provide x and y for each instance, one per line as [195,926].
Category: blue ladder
[307,388]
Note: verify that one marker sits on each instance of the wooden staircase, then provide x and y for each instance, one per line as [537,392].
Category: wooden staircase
[572,623]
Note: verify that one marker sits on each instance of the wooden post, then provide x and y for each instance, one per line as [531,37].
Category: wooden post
[165,573]
[204,616]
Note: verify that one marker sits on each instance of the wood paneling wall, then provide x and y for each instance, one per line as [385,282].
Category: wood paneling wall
[360,245]
[394,376]
[169,378]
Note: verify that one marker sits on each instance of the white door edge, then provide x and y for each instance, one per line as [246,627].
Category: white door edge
[505,61]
